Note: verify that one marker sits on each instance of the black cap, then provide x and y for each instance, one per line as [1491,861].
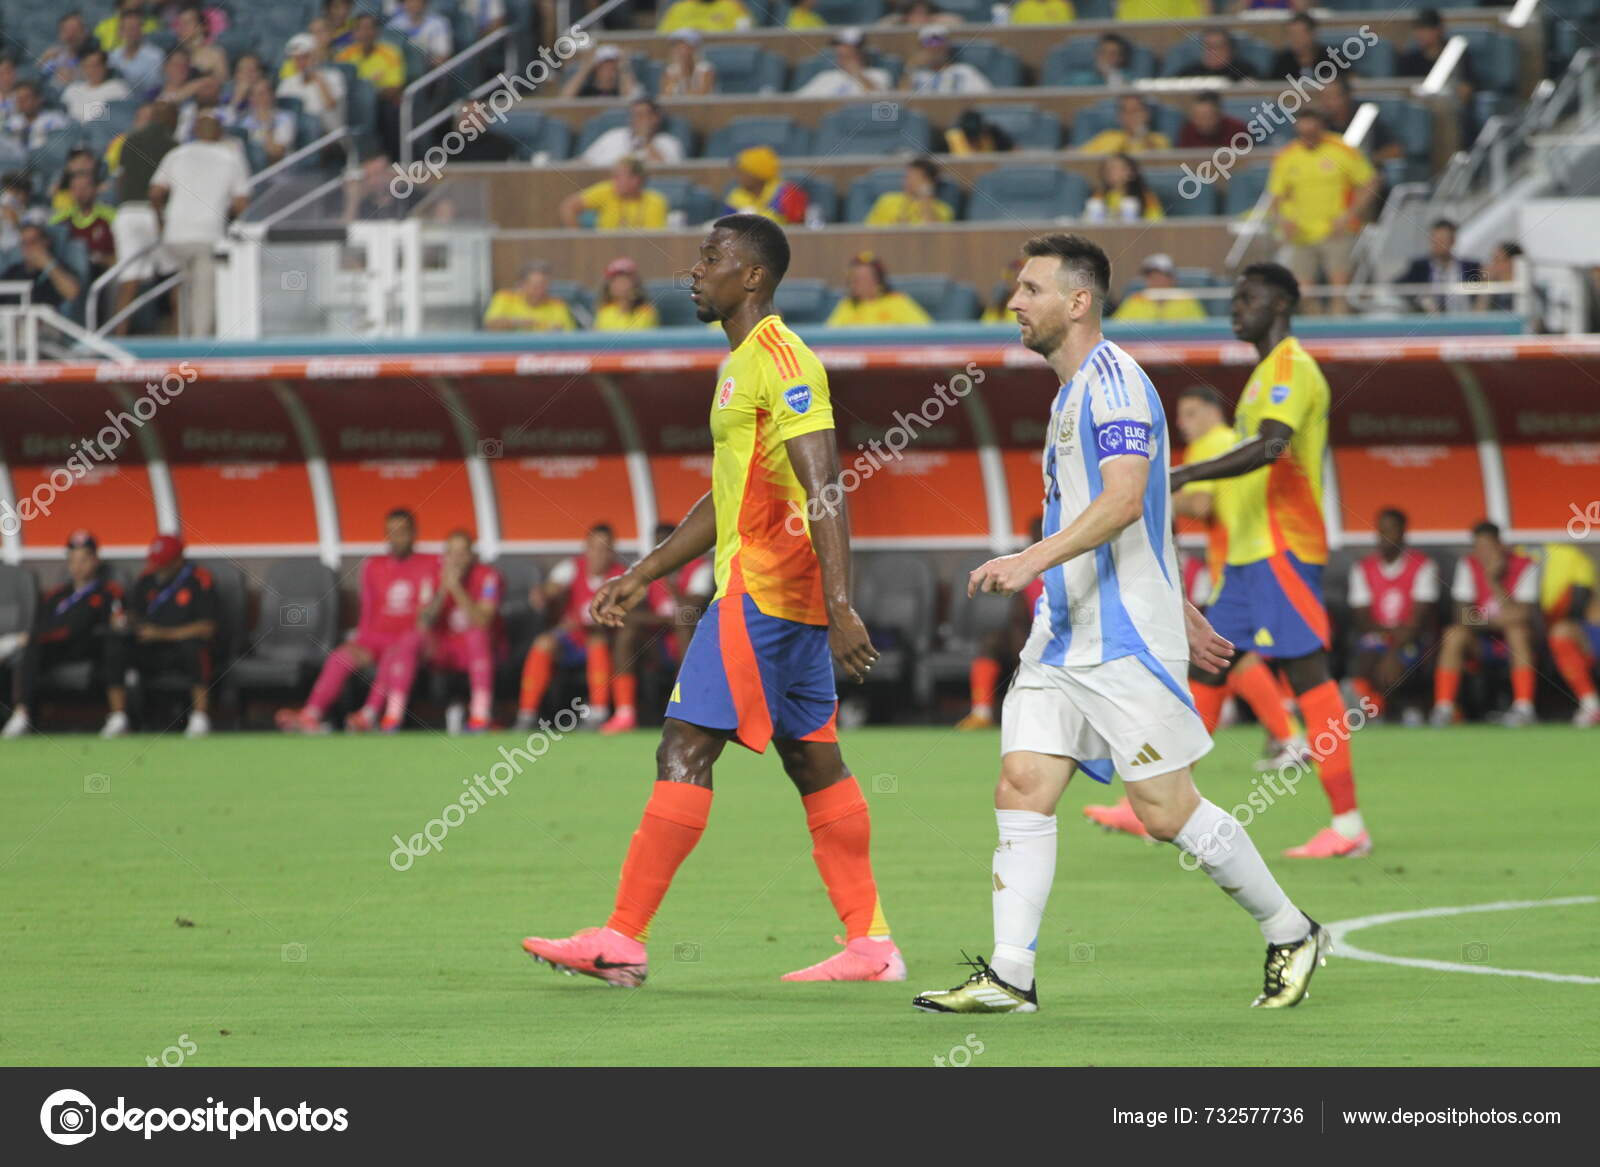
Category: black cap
[84,539]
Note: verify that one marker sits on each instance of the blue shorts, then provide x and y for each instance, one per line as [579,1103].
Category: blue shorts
[1272,607]
[1594,638]
[757,675]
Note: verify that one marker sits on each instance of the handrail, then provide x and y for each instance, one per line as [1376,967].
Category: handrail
[341,134]
[140,301]
[91,310]
[409,93]
[32,315]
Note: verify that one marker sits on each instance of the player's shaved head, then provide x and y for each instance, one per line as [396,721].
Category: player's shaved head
[763,241]
[742,260]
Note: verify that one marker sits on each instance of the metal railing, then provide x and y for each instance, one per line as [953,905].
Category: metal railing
[19,334]
[1385,298]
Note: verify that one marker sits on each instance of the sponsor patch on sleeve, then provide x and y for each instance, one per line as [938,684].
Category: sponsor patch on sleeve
[798,397]
[1122,437]
[1280,394]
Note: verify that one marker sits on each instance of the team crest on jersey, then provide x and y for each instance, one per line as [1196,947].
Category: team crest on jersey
[1280,394]
[1251,392]
[725,394]
[1066,430]
[798,397]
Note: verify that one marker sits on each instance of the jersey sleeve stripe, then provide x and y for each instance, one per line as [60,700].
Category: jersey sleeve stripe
[782,357]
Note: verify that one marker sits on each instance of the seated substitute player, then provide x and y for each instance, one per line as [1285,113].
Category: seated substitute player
[650,633]
[1494,591]
[579,638]
[758,669]
[458,630]
[1000,646]
[1101,684]
[172,622]
[394,587]
[1393,596]
[1567,595]
[73,622]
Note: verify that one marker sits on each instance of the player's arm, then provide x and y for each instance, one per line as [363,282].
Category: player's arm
[815,458]
[1194,504]
[1207,650]
[689,540]
[1115,507]
[1268,445]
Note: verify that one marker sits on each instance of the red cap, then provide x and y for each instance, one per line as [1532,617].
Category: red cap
[620,266]
[164,549]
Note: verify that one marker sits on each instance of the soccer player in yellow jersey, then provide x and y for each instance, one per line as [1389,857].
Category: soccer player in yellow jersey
[1567,597]
[760,666]
[1271,597]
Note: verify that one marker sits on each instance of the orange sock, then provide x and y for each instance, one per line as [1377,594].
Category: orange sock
[841,837]
[1446,684]
[625,688]
[1522,684]
[599,674]
[673,821]
[1330,740]
[983,676]
[1208,701]
[1365,690]
[1573,664]
[1254,684]
[535,680]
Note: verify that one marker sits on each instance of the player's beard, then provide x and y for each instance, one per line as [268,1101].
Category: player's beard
[706,314]
[1046,343]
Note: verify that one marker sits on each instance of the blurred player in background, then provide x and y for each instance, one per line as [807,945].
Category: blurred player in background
[1001,647]
[760,666]
[652,633]
[1101,684]
[1495,591]
[1571,606]
[172,620]
[73,622]
[1393,596]
[458,630]
[394,587]
[577,636]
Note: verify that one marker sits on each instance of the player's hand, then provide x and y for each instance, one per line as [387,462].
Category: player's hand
[1005,576]
[610,604]
[850,644]
[148,632]
[359,656]
[1207,650]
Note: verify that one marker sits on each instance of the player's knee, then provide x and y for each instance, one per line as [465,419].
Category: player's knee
[680,758]
[1020,785]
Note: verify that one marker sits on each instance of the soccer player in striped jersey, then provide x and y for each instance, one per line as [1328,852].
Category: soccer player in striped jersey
[1101,684]
[760,666]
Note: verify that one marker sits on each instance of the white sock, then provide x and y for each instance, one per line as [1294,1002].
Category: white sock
[1024,868]
[1350,824]
[983,711]
[1588,702]
[1224,851]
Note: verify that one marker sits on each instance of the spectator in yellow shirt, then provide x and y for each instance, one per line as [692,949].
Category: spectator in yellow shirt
[380,63]
[1133,133]
[529,307]
[705,16]
[109,31]
[1159,273]
[915,203]
[803,15]
[759,186]
[871,301]
[1320,190]
[1043,12]
[623,305]
[1120,194]
[996,311]
[621,203]
[1163,9]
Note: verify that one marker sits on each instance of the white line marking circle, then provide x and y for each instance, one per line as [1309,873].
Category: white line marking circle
[1342,946]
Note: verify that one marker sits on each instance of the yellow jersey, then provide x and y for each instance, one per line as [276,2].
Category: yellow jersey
[1163,10]
[772,388]
[1121,142]
[384,67]
[801,19]
[616,318]
[1143,309]
[550,315]
[648,212]
[892,308]
[1043,12]
[715,16]
[1219,439]
[895,207]
[1278,507]
[1562,569]
[1316,187]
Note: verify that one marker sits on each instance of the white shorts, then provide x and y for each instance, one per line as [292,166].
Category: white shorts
[133,229]
[1119,714]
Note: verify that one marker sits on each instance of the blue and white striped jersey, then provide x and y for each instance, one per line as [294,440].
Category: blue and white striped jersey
[1124,598]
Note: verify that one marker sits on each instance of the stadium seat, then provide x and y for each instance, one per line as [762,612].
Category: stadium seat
[811,66]
[579,298]
[805,301]
[883,127]
[747,69]
[972,623]
[1030,128]
[535,133]
[296,627]
[1375,60]
[19,593]
[1246,108]
[1186,54]
[1494,58]
[1072,62]
[864,191]
[696,203]
[1001,66]
[1411,122]
[785,135]
[1169,185]
[1102,115]
[1028,194]
[600,123]
[521,619]
[824,198]
[966,11]
[648,72]
[672,302]
[941,297]
[1244,189]
[896,598]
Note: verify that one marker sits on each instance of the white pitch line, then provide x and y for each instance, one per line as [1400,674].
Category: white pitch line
[1342,946]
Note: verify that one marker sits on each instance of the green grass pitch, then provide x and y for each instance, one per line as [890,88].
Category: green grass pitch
[236,896]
